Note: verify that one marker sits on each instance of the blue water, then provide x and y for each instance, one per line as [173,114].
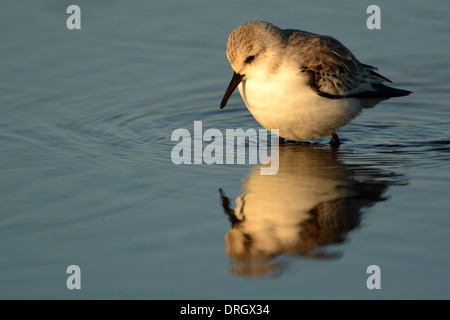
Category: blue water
[86,176]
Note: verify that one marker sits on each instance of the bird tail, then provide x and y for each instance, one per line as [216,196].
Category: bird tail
[381,91]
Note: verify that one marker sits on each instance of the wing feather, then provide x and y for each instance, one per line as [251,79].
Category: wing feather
[333,71]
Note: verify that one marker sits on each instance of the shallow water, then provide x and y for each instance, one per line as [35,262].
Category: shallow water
[87,177]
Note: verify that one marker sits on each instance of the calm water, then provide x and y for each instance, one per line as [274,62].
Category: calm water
[86,176]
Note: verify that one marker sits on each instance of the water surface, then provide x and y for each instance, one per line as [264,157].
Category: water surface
[87,178]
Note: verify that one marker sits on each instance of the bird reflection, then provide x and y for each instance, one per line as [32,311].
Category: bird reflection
[314,200]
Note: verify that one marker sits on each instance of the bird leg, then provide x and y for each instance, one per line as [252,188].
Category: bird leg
[334,142]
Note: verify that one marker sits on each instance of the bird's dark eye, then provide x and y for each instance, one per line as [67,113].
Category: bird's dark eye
[249,59]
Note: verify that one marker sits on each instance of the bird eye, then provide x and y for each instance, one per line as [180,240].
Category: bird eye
[249,59]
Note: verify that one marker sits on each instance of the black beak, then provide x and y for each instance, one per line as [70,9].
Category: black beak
[235,80]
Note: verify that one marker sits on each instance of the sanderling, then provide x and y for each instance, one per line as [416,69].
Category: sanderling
[304,84]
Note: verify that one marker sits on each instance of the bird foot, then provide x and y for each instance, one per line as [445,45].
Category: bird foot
[335,142]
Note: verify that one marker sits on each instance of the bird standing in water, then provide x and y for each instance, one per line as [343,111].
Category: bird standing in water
[304,84]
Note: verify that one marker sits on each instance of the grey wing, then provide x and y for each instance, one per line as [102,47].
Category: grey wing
[334,72]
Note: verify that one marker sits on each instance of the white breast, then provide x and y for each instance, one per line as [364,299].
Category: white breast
[284,101]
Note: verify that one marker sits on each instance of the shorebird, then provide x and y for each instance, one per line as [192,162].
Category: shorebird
[304,84]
